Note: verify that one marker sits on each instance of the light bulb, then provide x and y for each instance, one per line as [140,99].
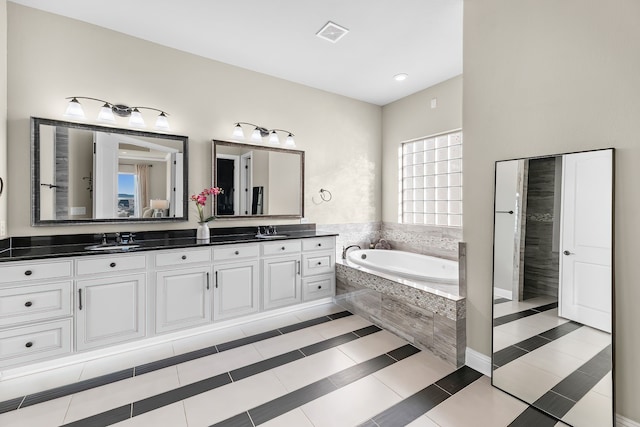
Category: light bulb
[74,110]
[106,115]
[136,119]
[290,142]
[273,138]
[238,133]
[256,136]
[162,123]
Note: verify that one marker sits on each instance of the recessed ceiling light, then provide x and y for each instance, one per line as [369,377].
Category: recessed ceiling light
[332,32]
[400,77]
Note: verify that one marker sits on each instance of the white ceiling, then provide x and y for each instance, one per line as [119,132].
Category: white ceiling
[422,38]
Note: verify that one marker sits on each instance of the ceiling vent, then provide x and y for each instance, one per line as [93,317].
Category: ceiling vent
[332,32]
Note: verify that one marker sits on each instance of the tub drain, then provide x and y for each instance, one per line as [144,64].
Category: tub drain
[363,256]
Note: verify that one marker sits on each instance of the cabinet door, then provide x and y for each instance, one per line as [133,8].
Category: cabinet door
[236,290]
[183,298]
[281,281]
[110,310]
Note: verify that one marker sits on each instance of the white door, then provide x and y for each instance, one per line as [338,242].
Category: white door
[281,281]
[105,179]
[236,290]
[506,257]
[246,183]
[183,299]
[176,184]
[586,227]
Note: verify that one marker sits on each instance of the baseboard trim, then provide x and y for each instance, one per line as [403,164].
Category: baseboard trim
[625,422]
[478,361]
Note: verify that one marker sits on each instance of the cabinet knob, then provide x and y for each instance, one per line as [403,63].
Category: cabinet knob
[29,344]
[28,273]
[319,244]
[319,262]
[113,264]
[237,252]
[184,257]
[319,286]
[283,248]
[28,304]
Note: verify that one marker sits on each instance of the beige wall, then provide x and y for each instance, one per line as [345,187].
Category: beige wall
[51,57]
[411,118]
[3,114]
[542,77]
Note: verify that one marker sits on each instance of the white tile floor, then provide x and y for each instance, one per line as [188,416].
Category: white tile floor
[478,404]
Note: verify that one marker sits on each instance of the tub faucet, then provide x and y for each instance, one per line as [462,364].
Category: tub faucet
[344,250]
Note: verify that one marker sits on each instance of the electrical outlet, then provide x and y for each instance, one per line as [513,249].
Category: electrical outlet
[434,102]
[304,220]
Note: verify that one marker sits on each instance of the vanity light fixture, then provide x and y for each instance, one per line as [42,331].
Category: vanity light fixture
[260,132]
[109,110]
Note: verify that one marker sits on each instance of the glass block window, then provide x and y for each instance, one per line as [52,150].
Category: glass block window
[431,180]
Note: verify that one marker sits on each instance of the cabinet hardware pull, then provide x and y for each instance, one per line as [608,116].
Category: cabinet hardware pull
[319,286]
[282,248]
[113,264]
[237,252]
[298,263]
[319,262]
[28,304]
[207,280]
[184,257]
[216,279]
[80,299]
[319,244]
[28,273]
[29,344]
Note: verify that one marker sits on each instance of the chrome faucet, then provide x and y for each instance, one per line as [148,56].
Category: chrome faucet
[344,250]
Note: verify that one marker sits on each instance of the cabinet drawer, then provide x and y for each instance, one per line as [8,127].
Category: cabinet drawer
[184,257]
[29,303]
[318,263]
[31,343]
[234,252]
[318,243]
[110,264]
[281,247]
[35,271]
[318,287]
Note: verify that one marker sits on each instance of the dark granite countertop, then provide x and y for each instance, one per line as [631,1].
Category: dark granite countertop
[29,248]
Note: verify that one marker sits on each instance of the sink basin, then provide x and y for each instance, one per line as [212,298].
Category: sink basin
[270,236]
[111,247]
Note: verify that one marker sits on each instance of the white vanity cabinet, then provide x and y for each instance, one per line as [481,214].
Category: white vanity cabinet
[110,301]
[35,311]
[182,289]
[236,281]
[318,268]
[281,273]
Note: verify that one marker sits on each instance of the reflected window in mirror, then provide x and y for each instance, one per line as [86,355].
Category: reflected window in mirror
[431,180]
[84,174]
[257,181]
[552,284]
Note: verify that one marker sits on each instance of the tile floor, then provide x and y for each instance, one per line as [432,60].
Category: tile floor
[560,366]
[314,367]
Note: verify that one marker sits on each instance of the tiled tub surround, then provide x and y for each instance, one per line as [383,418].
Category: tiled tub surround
[429,320]
[440,242]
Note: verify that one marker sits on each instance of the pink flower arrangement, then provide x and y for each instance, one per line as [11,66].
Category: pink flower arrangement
[201,200]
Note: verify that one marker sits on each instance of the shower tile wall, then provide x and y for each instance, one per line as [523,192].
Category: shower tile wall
[423,239]
[541,262]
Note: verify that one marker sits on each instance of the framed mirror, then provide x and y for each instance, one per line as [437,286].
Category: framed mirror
[85,174]
[257,181]
[552,343]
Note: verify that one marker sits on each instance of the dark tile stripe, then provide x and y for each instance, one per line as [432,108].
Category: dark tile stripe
[283,404]
[61,391]
[329,343]
[240,420]
[104,418]
[403,352]
[189,390]
[265,365]
[180,393]
[290,401]
[10,405]
[66,390]
[175,360]
[519,349]
[563,396]
[339,315]
[501,300]
[532,417]
[367,331]
[418,404]
[411,408]
[525,313]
